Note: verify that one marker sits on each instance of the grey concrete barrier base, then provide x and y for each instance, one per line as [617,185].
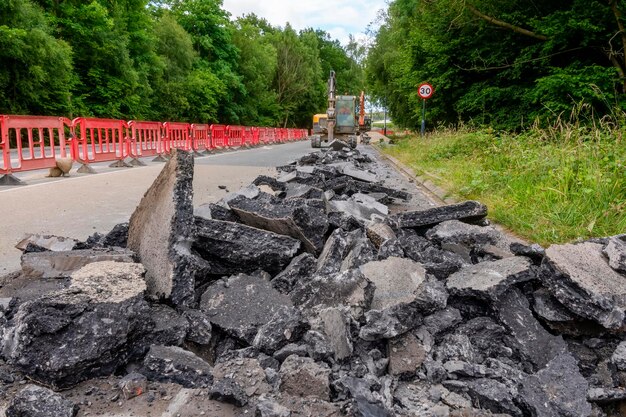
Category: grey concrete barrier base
[10,179]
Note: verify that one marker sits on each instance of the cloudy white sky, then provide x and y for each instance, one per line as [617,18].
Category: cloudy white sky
[338,17]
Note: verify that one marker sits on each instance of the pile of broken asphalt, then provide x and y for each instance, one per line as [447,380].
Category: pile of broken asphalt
[302,295]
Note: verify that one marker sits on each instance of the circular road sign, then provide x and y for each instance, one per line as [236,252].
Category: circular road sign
[425,91]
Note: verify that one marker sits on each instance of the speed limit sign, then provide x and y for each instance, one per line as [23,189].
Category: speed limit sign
[425,91]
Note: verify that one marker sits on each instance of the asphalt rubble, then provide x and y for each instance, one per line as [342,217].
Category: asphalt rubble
[303,295]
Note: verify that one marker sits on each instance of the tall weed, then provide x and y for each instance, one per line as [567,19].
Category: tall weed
[550,184]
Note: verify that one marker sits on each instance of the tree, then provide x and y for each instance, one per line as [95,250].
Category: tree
[113,75]
[298,74]
[211,32]
[257,67]
[36,71]
[177,56]
[498,62]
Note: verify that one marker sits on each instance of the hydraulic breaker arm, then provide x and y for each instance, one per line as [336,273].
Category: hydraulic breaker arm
[330,112]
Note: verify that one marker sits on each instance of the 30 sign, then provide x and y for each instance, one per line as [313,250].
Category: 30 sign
[425,91]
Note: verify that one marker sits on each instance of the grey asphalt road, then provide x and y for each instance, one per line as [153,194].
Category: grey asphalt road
[83,204]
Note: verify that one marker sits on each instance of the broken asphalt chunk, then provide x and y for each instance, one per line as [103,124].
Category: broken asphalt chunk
[527,336]
[35,401]
[46,242]
[349,288]
[467,211]
[230,248]
[160,232]
[304,377]
[62,264]
[241,304]
[558,390]
[284,327]
[300,268]
[580,277]
[615,251]
[301,219]
[488,280]
[397,281]
[177,365]
[90,329]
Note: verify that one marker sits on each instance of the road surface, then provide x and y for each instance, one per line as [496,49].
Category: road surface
[83,204]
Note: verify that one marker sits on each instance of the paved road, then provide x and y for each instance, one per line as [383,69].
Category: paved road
[83,204]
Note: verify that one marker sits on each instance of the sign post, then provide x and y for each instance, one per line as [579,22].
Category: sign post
[425,91]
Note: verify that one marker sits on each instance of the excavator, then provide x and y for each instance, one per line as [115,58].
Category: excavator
[340,121]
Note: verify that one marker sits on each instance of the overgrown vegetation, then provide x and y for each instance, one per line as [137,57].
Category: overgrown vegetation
[499,63]
[182,60]
[551,185]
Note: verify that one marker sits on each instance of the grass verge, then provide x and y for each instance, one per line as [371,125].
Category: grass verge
[548,185]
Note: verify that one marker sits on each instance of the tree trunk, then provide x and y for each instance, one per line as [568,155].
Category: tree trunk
[506,25]
[619,65]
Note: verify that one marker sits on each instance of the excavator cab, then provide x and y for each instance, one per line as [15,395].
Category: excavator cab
[319,123]
[340,121]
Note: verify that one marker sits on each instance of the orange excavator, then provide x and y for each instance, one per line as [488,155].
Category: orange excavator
[340,121]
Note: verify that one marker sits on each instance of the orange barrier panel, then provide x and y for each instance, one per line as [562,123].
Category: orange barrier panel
[274,135]
[100,140]
[33,142]
[235,135]
[200,140]
[177,136]
[145,139]
[218,136]
[247,136]
[261,135]
[256,132]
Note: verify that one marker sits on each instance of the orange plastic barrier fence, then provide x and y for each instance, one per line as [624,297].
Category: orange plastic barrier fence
[274,135]
[218,136]
[33,142]
[255,135]
[200,137]
[100,140]
[145,139]
[284,135]
[247,136]
[264,136]
[177,136]
[235,135]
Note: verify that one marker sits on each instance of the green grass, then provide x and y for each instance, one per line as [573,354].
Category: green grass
[550,185]
[390,125]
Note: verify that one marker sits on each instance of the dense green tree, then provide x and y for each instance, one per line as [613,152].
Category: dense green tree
[164,60]
[113,73]
[298,75]
[257,67]
[211,31]
[35,68]
[499,62]
[177,56]
[345,61]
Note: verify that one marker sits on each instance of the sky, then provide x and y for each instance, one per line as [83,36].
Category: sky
[339,17]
